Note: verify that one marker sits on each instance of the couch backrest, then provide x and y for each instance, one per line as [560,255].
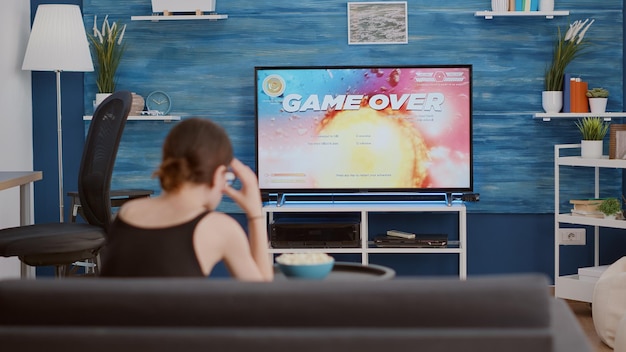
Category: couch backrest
[491,302]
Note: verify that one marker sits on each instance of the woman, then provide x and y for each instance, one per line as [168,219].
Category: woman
[178,233]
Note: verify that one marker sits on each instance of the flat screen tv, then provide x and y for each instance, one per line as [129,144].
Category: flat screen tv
[364,129]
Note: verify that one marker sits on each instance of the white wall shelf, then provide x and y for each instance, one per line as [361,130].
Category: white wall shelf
[548,14]
[572,286]
[157,18]
[165,118]
[607,116]
[366,247]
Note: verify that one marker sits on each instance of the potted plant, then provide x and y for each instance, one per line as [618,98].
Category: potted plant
[592,130]
[108,47]
[610,207]
[566,49]
[598,98]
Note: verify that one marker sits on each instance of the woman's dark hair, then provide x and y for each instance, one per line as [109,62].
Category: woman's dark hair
[192,151]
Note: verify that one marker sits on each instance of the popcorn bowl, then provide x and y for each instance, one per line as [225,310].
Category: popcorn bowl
[308,266]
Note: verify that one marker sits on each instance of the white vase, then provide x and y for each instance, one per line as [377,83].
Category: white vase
[100,98]
[499,5]
[552,101]
[546,5]
[598,105]
[591,149]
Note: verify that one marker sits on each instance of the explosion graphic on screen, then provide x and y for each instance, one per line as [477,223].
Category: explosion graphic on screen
[374,146]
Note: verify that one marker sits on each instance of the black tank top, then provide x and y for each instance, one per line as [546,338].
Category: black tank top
[158,252]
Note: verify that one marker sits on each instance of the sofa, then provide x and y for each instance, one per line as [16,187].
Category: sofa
[492,313]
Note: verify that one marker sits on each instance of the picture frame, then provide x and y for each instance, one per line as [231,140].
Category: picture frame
[377,23]
[617,141]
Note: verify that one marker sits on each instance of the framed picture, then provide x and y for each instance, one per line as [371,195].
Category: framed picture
[377,22]
[620,145]
[617,143]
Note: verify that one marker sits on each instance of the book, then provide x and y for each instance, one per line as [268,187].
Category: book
[511,5]
[567,77]
[585,205]
[527,5]
[519,5]
[534,5]
[588,214]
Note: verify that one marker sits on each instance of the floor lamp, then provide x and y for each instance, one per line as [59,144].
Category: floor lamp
[58,42]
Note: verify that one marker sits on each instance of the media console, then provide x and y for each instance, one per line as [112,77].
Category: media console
[364,212]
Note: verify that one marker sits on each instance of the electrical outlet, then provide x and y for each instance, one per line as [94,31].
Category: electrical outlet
[572,236]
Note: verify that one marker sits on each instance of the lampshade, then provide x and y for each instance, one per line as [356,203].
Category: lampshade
[58,41]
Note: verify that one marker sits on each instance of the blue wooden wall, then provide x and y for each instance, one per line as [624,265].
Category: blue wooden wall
[207,68]
[513,152]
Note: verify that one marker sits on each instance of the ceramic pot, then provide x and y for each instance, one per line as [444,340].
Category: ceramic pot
[598,105]
[100,98]
[138,104]
[591,149]
[499,5]
[552,101]
[546,5]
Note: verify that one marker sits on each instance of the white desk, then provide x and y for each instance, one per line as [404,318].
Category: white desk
[23,179]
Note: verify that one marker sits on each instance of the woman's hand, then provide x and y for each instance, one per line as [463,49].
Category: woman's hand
[248,197]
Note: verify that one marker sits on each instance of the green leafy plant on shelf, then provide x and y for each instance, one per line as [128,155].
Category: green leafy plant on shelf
[592,128]
[610,206]
[597,93]
[108,48]
[566,48]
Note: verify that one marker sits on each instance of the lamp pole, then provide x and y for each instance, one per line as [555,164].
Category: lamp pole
[60,146]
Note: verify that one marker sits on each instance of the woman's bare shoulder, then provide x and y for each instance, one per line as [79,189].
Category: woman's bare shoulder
[216,220]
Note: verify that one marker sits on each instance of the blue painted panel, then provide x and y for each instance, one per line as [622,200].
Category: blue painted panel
[207,68]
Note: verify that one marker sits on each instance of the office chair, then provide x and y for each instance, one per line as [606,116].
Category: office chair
[61,244]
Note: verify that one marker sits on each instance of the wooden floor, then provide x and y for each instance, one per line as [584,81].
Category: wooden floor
[582,310]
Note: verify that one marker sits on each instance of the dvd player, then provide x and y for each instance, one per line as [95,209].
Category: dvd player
[311,232]
[420,241]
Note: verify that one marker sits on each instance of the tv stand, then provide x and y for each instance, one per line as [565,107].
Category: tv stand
[364,211]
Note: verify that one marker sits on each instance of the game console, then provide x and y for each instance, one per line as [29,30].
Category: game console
[315,232]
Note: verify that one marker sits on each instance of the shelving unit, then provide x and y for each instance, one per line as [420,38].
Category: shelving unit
[548,14]
[157,18]
[570,286]
[165,118]
[574,115]
[364,209]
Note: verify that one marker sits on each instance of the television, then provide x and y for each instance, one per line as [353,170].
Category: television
[364,130]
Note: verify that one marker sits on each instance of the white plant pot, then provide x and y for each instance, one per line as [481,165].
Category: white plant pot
[598,105]
[546,5]
[591,149]
[100,98]
[552,101]
[499,5]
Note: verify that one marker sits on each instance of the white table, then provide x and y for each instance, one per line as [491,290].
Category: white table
[23,179]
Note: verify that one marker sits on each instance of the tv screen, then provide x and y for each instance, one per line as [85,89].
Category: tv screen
[364,129]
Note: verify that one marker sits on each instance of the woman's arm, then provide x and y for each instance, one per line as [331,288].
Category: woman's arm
[249,199]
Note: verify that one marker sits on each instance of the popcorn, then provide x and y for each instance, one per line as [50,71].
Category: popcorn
[303,258]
